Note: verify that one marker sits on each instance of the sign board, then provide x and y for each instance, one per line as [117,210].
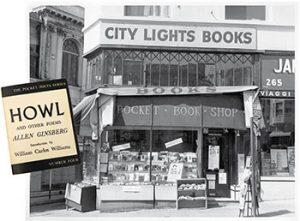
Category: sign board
[173,142]
[213,157]
[278,74]
[121,147]
[219,111]
[175,172]
[177,35]
[222,178]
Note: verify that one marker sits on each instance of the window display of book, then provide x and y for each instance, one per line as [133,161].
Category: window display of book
[128,167]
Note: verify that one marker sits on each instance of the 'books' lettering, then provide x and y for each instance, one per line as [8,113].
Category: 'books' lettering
[30,112]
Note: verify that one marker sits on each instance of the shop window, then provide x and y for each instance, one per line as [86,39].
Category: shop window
[277,138]
[89,164]
[132,73]
[132,164]
[153,68]
[240,12]
[70,62]
[146,10]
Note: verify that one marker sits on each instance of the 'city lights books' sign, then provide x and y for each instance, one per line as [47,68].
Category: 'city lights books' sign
[39,124]
[178,36]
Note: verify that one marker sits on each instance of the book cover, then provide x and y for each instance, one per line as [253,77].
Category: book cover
[40,127]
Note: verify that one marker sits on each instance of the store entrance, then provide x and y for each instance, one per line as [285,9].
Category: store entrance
[216,162]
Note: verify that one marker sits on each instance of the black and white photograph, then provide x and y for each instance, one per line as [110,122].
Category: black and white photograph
[180,110]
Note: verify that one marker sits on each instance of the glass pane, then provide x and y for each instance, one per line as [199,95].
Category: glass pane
[164,74]
[174,75]
[210,74]
[183,152]
[235,12]
[256,12]
[201,74]
[134,10]
[220,78]
[130,165]
[229,77]
[247,76]
[238,76]
[183,75]
[155,74]
[278,137]
[148,74]
[132,72]
[192,74]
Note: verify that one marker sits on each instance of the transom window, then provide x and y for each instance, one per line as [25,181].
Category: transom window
[70,62]
[155,68]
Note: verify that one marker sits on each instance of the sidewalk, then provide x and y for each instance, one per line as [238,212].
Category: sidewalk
[274,208]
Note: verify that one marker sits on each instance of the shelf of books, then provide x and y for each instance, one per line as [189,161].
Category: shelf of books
[191,193]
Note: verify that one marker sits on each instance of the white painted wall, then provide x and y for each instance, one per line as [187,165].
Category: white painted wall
[276,13]
[276,33]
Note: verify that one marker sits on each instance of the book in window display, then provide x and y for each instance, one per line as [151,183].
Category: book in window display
[39,124]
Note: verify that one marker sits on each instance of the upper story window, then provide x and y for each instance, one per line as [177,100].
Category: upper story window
[155,68]
[240,12]
[146,10]
[70,62]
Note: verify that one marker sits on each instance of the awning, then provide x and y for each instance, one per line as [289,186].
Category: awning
[152,91]
[215,113]
[85,106]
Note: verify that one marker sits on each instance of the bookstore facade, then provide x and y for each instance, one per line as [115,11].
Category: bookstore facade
[178,112]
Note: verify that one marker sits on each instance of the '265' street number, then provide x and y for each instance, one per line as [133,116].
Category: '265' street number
[274,82]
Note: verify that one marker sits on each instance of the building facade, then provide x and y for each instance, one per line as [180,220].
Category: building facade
[177,51]
[56,49]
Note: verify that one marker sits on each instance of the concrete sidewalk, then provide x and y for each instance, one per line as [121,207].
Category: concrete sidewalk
[274,208]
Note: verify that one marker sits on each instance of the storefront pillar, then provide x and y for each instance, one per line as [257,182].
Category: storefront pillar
[199,151]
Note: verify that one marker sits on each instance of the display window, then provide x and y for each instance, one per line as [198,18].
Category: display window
[130,160]
[277,138]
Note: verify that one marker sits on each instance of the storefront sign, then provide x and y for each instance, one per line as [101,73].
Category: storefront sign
[222,178]
[175,172]
[121,147]
[178,36]
[277,93]
[218,111]
[278,73]
[213,157]
[173,142]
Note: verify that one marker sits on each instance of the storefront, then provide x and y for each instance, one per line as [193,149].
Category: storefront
[200,131]
[176,94]
[277,97]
